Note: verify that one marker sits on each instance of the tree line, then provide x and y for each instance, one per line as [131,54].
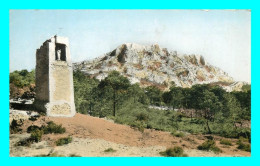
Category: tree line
[209,105]
[200,109]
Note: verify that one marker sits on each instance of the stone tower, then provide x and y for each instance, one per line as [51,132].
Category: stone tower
[54,79]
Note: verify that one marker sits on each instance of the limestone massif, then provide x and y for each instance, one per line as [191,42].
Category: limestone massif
[152,65]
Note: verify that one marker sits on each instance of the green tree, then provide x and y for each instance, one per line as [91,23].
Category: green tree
[154,94]
[167,97]
[186,102]
[138,94]
[22,78]
[177,97]
[244,98]
[219,92]
[233,111]
[246,88]
[83,91]
[209,104]
[117,83]
[196,93]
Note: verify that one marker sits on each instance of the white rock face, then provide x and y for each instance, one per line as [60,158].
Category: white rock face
[152,65]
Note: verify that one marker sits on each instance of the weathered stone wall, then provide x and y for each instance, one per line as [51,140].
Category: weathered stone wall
[58,89]
[61,78]
[42,76]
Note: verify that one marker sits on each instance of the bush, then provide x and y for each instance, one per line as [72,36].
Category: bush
[138,125]
[34,118]
[246,133]
[15,126]
[53,128]
[37,132]
[209,137]
[197,121]
[63,141]
[149,126]
[177,134]
[174,152]
[25,142]
[142,116]
[32,128]
[209,145]
[225,142]
[36,135]
[109,150]
[231,132]
[22,78]
[243,146]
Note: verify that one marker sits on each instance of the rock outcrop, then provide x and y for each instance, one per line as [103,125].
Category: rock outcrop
[152,65]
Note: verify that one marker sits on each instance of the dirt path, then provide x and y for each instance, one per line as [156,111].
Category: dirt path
[91,136]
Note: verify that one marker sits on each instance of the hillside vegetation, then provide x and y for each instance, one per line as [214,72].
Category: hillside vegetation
[22,84]
[201,109]
[205,109]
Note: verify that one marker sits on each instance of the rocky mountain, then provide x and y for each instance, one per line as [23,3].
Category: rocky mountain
[152,65]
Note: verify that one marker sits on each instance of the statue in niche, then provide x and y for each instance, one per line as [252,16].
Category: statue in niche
[58,54]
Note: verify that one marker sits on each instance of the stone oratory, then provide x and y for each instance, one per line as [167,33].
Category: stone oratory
[54,78]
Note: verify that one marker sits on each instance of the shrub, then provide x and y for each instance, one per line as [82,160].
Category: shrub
[243,146]
[24,142]
[34,118]
[246,133]
[192,141]
[225,142]
[109,150]
[209,145]
[53,128]
[32,128]
[63,141]
[174,152]
[37,132]
[197,121]
[142,116]
[209,137]
[22,78]
[15,126]
[36,135]
[177,134]
[138,125]
[243,139]
[149,126]
[229,131]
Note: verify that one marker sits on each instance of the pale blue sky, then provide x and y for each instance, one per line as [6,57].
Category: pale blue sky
[223,37]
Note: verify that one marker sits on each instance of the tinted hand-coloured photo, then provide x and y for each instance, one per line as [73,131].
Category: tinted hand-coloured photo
[130,83]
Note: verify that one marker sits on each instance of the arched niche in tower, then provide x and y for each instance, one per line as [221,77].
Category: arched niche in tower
[60,52]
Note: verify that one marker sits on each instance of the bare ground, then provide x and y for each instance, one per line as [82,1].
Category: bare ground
[92,136]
